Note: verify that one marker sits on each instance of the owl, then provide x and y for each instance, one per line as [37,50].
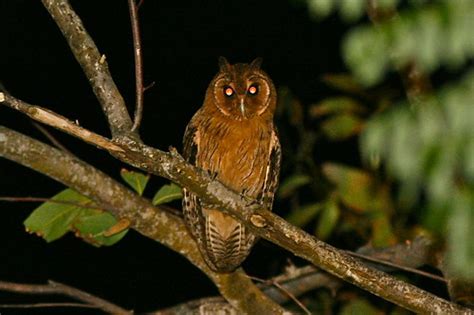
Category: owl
[233,137]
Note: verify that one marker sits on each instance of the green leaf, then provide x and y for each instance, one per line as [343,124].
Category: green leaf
[351,10]
[341,127]
[336,105]
[136,180]
[291,184]
[359,307]
[320,8]
[327,221]
[52,220]
[303,215]
[355,187]
[92,224]
[365,51]
[382,234]
[460,235]
[167,193]
[343,82]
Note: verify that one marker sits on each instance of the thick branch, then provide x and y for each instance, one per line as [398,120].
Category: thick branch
[144,217]
[275,229]
[94,65]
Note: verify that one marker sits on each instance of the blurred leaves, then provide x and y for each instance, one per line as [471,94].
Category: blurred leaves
[341,127]
[290,184]
[328,219]
[359,307]
[354,186]
[429,146]
[426,148]
[431,36]
[349,10]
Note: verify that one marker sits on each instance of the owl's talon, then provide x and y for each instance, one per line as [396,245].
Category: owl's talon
[212,175]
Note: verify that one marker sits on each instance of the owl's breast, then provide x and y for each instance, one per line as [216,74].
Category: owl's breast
[238,153]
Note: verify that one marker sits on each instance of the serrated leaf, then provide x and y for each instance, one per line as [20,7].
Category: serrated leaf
[167,193]
[91,226]
[52,220]
[355,187]
[341,127]
[136,180]
[292,183]
[336,105]
[303,215]
[327,221]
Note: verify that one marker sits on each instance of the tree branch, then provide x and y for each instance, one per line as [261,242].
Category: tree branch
[59,288]
[172,166]
[261,221]
[143,216]
[94,66]
[137,52]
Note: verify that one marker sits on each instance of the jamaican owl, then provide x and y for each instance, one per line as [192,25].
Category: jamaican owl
[233,137]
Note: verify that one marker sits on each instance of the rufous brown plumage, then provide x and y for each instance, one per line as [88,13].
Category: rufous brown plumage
[233,137]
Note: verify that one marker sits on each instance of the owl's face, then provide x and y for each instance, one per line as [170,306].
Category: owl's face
[242,91]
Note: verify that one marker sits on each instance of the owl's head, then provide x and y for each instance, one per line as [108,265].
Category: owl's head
[242,91]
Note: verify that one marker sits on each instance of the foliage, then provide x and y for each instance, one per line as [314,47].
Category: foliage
[53,219]
[419,150]
[167,193]
[71,211]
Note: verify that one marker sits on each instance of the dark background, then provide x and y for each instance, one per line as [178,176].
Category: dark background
[181,43]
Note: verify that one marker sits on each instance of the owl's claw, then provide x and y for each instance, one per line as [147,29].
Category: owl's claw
[212,175]
[249,200]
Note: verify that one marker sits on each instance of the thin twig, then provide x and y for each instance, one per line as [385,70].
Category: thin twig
[58,288]
[397,266]
[149,86]
[284,290]
[137,53]
[94,65]
[63,202]
[57,121]
[48,305]
[51,138]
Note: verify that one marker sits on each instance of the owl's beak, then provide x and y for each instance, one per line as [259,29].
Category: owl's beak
[242,107]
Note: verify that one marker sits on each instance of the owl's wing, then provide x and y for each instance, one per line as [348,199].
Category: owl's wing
[272,172]
[191,204]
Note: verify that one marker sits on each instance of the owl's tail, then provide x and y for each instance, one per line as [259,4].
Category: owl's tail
[227,242]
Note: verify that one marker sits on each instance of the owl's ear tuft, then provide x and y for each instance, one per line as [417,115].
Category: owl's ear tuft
[224,65]
[256,63]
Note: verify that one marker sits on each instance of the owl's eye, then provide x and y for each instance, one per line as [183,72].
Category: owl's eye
[253,89]
[228,91]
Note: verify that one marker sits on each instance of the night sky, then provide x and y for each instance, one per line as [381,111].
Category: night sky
[181,42]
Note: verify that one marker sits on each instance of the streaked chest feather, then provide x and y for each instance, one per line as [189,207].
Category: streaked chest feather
[237,152]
